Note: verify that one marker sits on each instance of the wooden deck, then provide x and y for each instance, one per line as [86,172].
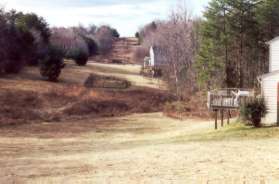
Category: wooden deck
[226,100]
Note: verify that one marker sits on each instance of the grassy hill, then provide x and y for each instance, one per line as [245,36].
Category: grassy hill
[122,52]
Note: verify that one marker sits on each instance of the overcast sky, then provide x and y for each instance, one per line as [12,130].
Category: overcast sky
[125,15]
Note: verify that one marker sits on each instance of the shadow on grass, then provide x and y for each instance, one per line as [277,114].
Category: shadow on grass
[235,131]
[110,70]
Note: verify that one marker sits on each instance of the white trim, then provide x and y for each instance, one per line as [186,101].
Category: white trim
[270,58]
[269,74]
[273,40]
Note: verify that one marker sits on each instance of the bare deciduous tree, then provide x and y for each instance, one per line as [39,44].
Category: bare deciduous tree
[104,37]
[68,39]
[177,42]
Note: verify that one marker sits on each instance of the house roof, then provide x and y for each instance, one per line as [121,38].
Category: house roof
[273,40]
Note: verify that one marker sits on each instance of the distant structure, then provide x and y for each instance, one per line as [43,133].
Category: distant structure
[154,65]
[270,83]
[146,62]
[157,57]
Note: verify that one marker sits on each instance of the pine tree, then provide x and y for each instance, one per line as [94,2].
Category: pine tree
[232,41]
[213,59]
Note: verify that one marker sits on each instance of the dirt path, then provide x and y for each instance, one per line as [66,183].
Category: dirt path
[130,72]
[72,74]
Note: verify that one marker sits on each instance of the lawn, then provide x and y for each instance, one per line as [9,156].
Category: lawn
[234,131]
[132,148]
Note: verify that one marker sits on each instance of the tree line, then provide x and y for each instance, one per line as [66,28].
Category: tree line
[27,39]
[175,40]
[225,48]
[233,50]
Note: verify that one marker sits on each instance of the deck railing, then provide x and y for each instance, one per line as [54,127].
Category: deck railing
[230,98]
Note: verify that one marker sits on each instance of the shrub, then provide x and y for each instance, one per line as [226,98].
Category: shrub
[70,42]
[13,63]
[15,44]
[254,111]
[52,64]
[115,33]
[35,35]
[92,45]
[105,39]
[79,56]
[13,66]
[23,36]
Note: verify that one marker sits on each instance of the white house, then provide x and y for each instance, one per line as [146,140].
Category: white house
[270,83]
[157,57]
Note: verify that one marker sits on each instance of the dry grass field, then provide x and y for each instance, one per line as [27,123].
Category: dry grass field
[120,145]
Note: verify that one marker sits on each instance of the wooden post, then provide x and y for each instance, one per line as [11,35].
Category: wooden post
[229,115]
[216,119]
[222,117]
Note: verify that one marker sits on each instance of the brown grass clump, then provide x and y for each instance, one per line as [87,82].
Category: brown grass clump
[97,108]
[19,107]
[71,102]
[194,106]
[107,103]
[110,82]
[146,100]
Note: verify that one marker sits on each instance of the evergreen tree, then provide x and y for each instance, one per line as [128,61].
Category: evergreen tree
[212,60]
[233,41]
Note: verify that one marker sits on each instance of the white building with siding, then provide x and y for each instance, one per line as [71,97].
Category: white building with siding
[157,57]
[152,56]
[270,83]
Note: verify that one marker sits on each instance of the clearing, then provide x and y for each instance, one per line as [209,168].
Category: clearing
[132,148]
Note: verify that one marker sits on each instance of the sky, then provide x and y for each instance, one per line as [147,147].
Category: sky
[127,16]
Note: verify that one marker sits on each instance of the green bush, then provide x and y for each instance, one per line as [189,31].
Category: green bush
[254,111]
[79,56]
[22,39]
[52,64]
[92,46]
[34,38]
[13,63]
[115,33]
